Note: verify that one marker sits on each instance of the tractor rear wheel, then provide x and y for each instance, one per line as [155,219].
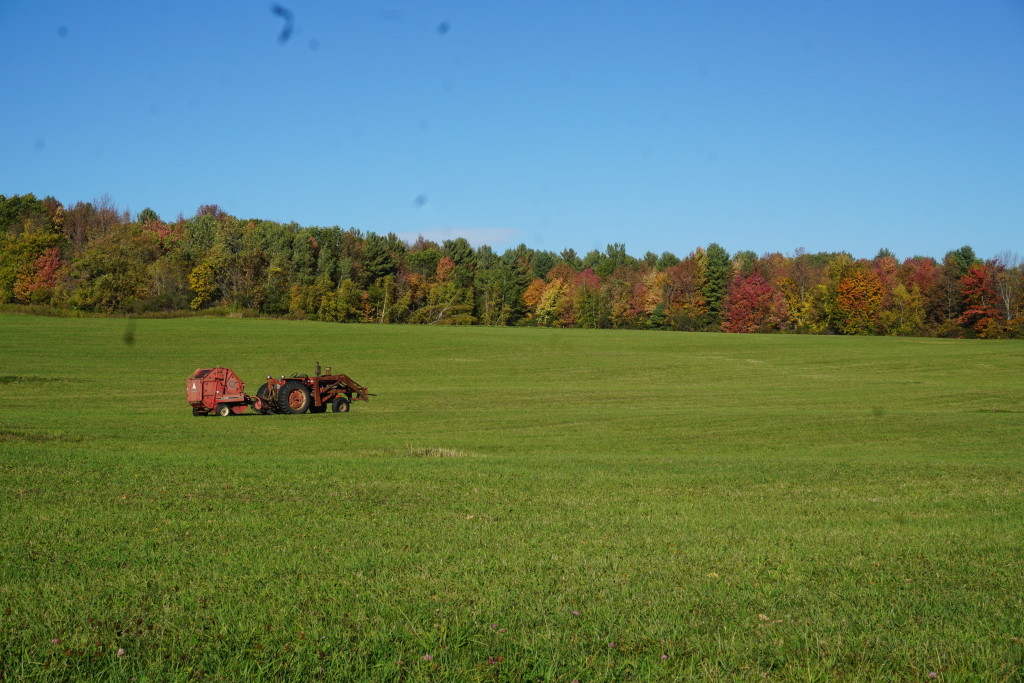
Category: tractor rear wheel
[340,405]
[293,398]
[223,410]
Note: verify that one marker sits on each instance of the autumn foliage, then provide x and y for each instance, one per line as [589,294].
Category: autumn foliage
[859,302]
[979,294]
[753,305]
[93,257]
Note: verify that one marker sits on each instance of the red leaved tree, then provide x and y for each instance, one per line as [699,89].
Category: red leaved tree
[751,305]
[979,295]
[35,284]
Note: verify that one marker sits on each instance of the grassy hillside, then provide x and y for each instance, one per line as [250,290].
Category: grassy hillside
[514,504]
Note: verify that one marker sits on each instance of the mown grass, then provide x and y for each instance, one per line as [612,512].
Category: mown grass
[515,504]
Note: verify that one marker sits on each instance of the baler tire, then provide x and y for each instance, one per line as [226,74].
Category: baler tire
[198,412]
[340,405]
[284,395]
[223,410]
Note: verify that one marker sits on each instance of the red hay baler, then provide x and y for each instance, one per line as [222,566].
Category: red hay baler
[217,390]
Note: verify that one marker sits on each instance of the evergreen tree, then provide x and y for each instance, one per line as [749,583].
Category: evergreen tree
[666,260]
[458,250]
[541,263]
[378,259]
[717,275]
[569,257]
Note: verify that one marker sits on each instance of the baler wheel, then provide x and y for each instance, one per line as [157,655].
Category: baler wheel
[198,412]
[340,405]
[293,398]
[223,410]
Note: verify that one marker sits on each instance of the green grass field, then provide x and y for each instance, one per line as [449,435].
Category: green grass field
[515,504]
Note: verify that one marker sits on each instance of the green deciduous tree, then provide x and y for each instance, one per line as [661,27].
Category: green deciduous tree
[202,283]
[552,304]
[905,314]
[112,274]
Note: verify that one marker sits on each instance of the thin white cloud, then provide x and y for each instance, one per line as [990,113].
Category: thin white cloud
[492,237]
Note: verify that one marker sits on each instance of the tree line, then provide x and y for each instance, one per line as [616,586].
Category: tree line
[92,257]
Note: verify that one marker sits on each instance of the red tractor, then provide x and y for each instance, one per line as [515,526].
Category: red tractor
[221,392]
[297,394]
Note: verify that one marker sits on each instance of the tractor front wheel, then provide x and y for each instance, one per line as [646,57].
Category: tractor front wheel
[223,410]
[293,398]
[340,405]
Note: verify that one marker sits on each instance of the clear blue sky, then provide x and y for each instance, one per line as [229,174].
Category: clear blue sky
[831,125]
